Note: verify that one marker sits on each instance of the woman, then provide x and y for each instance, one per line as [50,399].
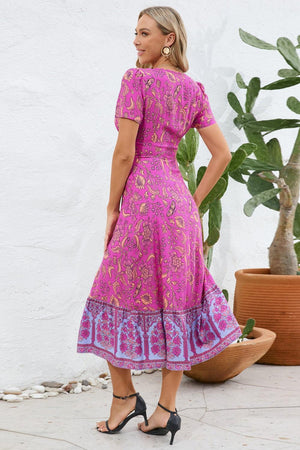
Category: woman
[153,303]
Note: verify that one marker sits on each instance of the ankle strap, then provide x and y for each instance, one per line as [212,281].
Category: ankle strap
[126,396]
[166,409]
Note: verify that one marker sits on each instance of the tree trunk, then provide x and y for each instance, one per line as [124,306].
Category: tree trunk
[282,255]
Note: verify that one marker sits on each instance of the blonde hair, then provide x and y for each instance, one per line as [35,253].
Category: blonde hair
[169,21]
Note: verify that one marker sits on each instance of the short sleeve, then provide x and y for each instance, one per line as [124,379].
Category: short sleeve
[130,103]
[204,115]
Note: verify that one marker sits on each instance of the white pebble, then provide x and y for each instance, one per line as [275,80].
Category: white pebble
[92,381]
[52,394]
[38,388]
[103,381]
[50,389]
[25,395]
[12,398]
[13,390]
[136,372]
[78,389]
[39,395]
[86,388]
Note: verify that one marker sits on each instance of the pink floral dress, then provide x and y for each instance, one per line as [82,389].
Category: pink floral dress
[153,302]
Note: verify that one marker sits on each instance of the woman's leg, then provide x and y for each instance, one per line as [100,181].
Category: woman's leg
[122,385]
[170,383]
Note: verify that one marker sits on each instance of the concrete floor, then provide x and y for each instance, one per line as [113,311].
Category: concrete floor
[258,409]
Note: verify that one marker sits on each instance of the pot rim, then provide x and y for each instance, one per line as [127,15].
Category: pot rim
[262,334]
[263,272]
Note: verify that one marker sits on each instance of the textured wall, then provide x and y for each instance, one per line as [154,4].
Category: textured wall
[62,63]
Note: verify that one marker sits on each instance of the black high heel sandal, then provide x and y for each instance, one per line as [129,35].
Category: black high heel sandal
[173,425]
[140,409]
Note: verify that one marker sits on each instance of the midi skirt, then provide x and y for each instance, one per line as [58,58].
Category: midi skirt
[153,302]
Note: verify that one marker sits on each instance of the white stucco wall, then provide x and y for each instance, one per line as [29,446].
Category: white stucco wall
[61,67]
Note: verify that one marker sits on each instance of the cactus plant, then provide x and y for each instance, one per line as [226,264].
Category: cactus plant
[186,154]
[257,172]
[248,328]
[284,253]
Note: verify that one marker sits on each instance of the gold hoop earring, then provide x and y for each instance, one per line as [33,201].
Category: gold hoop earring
[166,51]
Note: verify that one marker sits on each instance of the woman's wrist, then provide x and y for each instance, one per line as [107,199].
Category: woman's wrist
[112,208]
[196,199]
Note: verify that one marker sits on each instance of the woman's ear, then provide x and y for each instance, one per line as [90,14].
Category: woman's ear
[171,39]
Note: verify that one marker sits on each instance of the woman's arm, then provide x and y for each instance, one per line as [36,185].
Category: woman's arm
[121,165]
[217,145]
[122,161]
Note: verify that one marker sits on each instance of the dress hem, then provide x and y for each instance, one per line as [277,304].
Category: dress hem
[176,365]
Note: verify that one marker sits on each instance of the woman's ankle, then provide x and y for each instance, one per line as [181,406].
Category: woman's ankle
[125,394]
[166,403]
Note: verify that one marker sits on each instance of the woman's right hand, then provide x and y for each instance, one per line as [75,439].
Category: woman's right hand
[112,218]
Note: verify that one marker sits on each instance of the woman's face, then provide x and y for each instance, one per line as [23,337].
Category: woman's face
[150,40]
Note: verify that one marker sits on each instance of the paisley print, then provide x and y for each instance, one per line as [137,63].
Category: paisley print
[153,302]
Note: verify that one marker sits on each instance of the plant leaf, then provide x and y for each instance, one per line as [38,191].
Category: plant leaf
[214,222]
[294,104]
[273,124]
[240,82]
[254,41]
[247,329]
[281,84]
[225,293]
[268,176]
[297,250]
[183,172]
[249,147]
[237,158]
[234,103]
[285,73]
[191,144]
[254,164]
[288,51]
[200,173]
[256,184]
[274,151]
[258,199]
[181,154]
[252,93]
[216,192]
[237,176]
[296,227]
[209,257]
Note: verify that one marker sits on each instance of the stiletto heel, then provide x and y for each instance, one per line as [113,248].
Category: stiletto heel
[173,425]
[145,417]
[140,409]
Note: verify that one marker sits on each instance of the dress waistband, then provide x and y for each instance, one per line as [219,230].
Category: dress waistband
[155,151]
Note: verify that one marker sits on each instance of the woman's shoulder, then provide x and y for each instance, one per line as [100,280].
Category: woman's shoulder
[133,72]
[197,84]
[148,75]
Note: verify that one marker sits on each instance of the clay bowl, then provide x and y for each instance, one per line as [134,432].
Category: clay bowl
[234,359]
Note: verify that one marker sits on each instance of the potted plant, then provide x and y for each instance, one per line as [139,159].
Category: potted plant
[236,357]
[186,154]
[272,295]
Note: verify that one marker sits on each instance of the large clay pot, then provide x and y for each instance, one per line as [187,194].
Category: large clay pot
[274,302]
[234,359]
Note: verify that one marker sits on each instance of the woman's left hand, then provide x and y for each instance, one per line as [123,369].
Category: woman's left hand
[112,217]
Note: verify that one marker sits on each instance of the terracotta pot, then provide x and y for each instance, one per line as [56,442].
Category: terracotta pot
[274,302]
[234,359]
